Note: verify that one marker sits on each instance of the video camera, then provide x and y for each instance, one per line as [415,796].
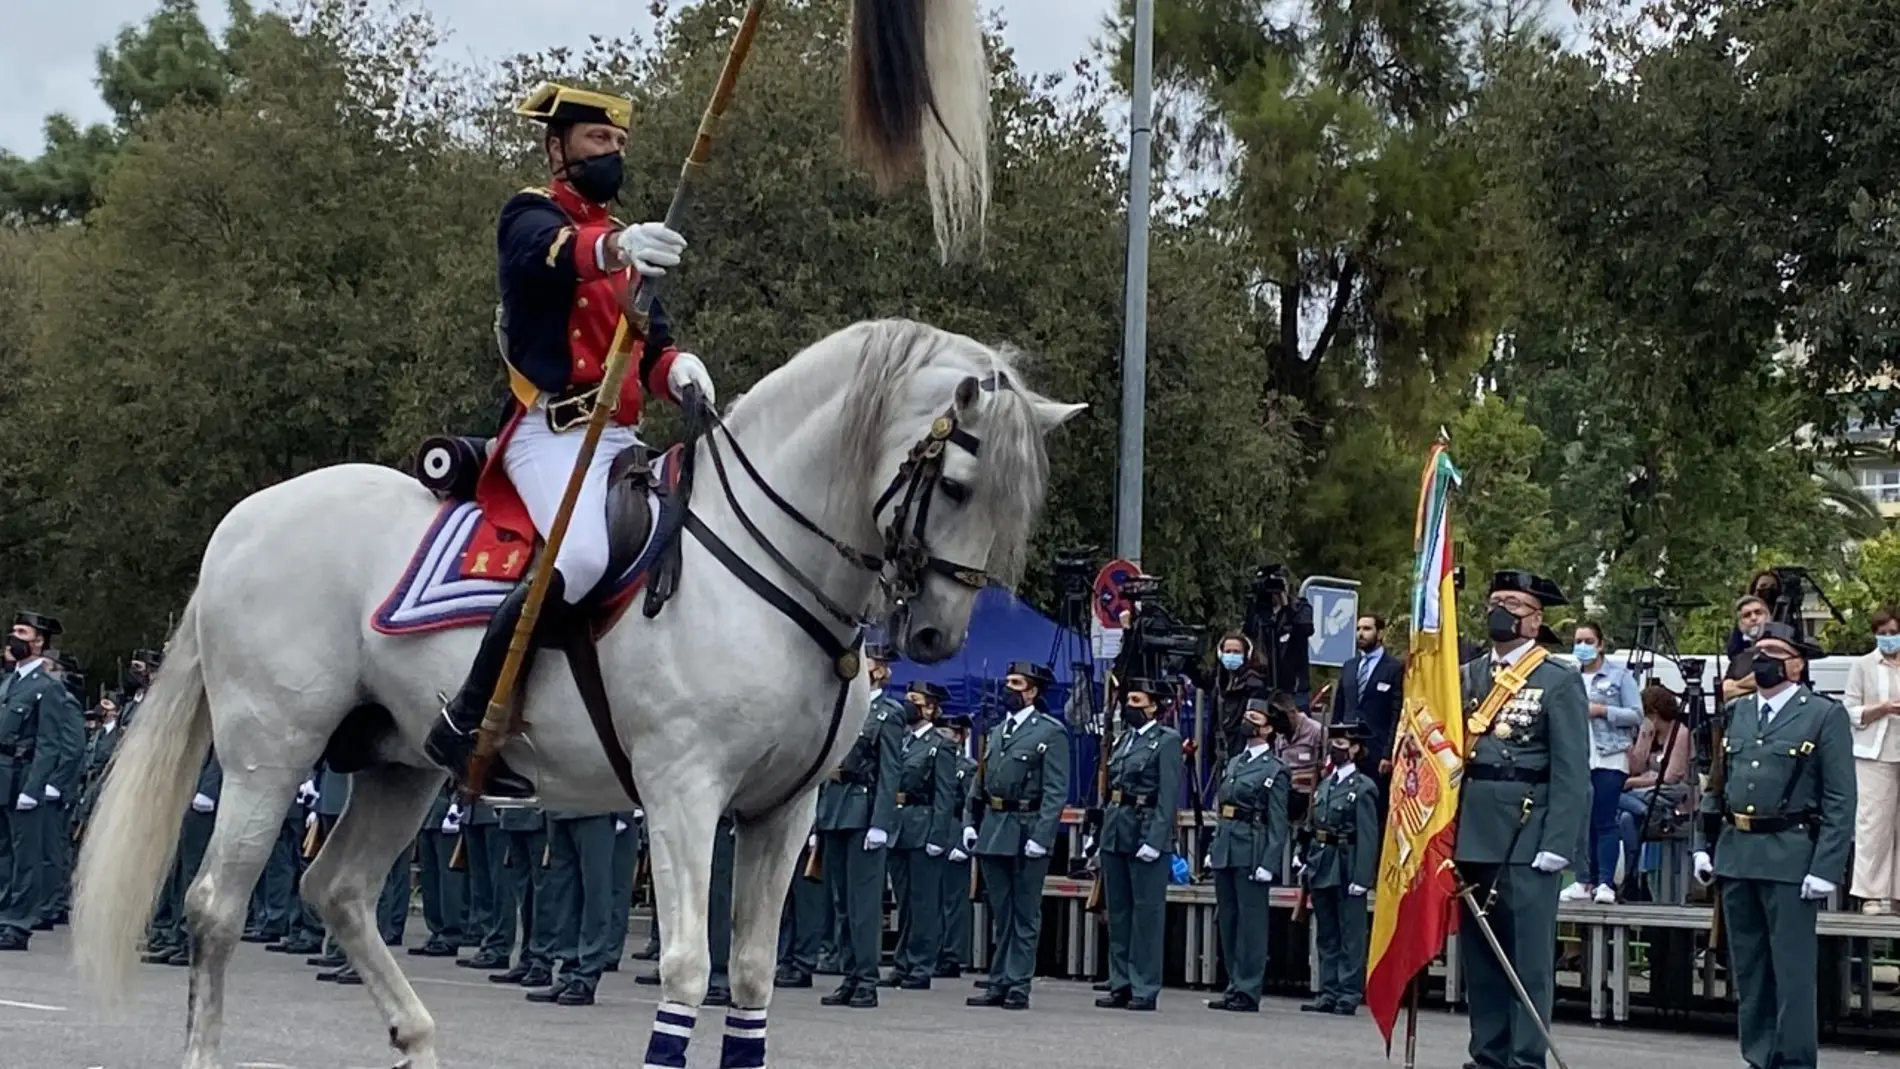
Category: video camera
[1158,644]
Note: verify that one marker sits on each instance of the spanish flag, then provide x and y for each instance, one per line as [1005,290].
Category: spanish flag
[1416,908]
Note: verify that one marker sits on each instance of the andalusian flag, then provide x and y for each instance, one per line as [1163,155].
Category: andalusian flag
[1416,907]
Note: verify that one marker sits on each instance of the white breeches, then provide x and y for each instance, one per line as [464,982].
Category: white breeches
[539,462]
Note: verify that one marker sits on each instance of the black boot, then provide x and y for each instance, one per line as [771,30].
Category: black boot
[452,740]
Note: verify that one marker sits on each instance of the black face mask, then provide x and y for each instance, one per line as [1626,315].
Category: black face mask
[1502,624]
[913,712]
[1134,717]
[17,649]
[1342,755]
[1769,673]
[1015,700]
[597,178]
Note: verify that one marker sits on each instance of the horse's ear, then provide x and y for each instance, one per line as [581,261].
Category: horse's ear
[1053,414]
[966,392]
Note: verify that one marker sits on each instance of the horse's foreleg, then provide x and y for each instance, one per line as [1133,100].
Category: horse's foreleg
[762,873]
[385,811]
[251,807]
[680,828]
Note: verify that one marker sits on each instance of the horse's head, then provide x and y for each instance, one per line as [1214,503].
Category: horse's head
[954,465]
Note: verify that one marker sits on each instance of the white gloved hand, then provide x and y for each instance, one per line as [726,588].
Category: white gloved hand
[1088,844]
[1545,861]
[639,814]
[1813,887]
[1704,867]
[52,793]
[689,370]
[875,838]
[1261,875]
[812,842]
[202,803]
[26,803]
[619,825]
[1355,890]
[310,821]
[307,793]
[958,856]
[969,838]
[1033,849]
[1299,864]
[451,822]
[1207,861]
[1146,853]
[649,248]
[933,850]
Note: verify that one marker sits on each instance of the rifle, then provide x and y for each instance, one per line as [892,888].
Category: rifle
[982,771]
[1197,782]
[1099,816]
[1303,904]
[815,861]
[1712,822]
[313,839]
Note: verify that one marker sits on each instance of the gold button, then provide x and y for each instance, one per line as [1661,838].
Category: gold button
[582,302]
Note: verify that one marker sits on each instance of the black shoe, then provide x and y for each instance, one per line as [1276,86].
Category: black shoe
[294,945]
[452,738]
[1318,1005]
[334,976]
[1234,1003]
[948,972]
[483,961]
[612,966]
[650,952]
[992,997]
[434,948]
[347,977]
[150,957]
[648,979]
[575,993]
[258,937]
[179,958]
[327,961]
[1145,1005]
[1103,986]
[718,996]
[791,977]
[984,985]
[840,997]
[512,976]
[545,995]
[538,976]
[13,939]
[1016,1000]
[889,980]
[863,998]
[914,983]
[828,967]
[43,925]
[1345,1010]
[1114,1000]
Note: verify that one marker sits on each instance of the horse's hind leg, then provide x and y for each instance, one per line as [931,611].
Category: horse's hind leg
[386,807]
[251,807]
[762,870]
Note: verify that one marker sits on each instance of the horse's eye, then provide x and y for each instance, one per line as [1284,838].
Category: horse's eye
[954,490]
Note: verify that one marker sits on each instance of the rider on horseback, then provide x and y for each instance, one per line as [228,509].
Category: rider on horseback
[565,269]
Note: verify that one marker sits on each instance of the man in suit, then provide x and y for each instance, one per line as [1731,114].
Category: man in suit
[1017,799]
[1372,692]
[1522,815]
[40,725]
[1785,814]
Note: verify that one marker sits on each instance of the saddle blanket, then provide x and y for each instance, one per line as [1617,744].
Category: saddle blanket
[437,591]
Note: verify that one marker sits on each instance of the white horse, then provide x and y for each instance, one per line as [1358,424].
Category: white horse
[722,701]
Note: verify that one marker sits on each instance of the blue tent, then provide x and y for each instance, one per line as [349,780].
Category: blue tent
[1003,628]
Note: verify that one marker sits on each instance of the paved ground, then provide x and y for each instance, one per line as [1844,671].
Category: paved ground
[281,1018]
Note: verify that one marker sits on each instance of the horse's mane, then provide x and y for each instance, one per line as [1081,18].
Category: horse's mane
[899,375]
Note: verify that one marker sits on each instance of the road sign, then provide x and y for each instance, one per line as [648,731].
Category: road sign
[1335,612]
[1105,631]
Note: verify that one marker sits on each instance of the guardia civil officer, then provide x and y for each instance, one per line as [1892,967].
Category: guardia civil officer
[1249,842]
[955,949]
[1786,816]
[40,726]
[1523,813]
[1021,785]
[1144,788]
[854,822]
[1341,861]
[928,819]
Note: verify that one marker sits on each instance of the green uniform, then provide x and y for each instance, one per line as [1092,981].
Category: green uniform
[626,866]
[1016,798]
[1249,842]
[1787,809]
[194,837]
[803,923]
[1144,780]
[927,826]
[1342,863]
[580,894]
[524,839]
[398,894]
[864,797]
[490,924]
[333,793]
[41,729]
[1537,749]
[68,775]
[444,890]
[955,951]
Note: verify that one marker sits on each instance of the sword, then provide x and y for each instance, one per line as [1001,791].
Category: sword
[1467,892]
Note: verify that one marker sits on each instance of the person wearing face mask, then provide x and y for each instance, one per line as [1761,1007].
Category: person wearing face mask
[138,677]
[1785,813]
[955,951]
[62,806]
[1249,842]
[1522,815]
[1238,677]
[855,816]
[567,268]
[1144,791]
[1615,716]
[1873,698]
[1341,863]
[38,722]
[1015,811]
[928,819]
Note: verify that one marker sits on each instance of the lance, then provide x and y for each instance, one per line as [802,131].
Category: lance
[917,99]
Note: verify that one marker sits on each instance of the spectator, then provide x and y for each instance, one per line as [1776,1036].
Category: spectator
[1873,697]
[1299,741]
[1371,692]
[1615,715]
[1655,798]
[1751,615]
[1237,678]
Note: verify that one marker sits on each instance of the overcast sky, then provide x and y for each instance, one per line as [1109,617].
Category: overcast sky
[46,52]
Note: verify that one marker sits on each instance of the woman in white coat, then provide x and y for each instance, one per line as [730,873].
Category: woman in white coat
[1873,698]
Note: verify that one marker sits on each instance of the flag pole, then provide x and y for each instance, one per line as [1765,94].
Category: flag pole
[1411,1024]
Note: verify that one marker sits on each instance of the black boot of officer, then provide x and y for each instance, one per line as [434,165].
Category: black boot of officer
[452,740]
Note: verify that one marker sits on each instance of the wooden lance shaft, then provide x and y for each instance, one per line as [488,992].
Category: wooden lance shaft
[495,719]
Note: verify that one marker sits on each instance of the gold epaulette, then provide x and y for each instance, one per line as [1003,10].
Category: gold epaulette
[539,191]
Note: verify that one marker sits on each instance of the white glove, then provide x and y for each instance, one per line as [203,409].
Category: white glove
[1355,890]
[812,842]
[1261,875]
[933,850]
[639,814]
[1088,843]
[450,825]
[1813,887]
[969,838]
[958,856]
[1033,849]
[1299,864]
[310,821]
[1146,853]
[1545,861]
[1207,861]
[619,825]
[307,793]
[202,803]
[52,793]
[649,248]
[26,803]
[875,838]
[689,370]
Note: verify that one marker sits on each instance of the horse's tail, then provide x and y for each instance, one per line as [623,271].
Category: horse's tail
[134,829]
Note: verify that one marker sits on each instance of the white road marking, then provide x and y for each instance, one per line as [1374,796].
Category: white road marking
[31,1006]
